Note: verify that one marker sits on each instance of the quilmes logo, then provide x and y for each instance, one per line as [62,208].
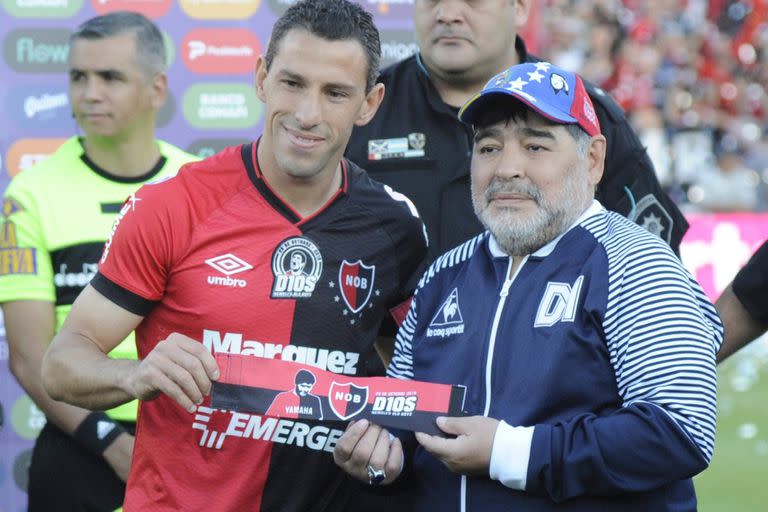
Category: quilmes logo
[229,265]
[38,107]
[220,9]
[230,51]
[37,50]
[42,8]
[221,106]
[149,8]
[397,45]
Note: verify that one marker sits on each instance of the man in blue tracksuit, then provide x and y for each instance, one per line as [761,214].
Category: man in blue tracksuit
[587,350]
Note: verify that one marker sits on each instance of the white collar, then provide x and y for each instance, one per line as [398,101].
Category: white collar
[594,208]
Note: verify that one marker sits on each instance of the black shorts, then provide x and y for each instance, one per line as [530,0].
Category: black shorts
[65,477]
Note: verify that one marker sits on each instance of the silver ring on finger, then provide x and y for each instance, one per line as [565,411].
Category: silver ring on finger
[375,476]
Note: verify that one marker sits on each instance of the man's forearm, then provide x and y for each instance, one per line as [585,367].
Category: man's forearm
[740,327]
[76,371]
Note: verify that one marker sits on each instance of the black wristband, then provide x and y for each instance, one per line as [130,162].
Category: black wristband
[97,432]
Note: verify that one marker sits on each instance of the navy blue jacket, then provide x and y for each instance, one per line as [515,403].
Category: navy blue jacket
[602,342]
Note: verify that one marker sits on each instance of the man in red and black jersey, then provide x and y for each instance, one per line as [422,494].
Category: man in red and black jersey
[209,262]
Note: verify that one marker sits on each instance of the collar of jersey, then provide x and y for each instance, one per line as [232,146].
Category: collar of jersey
[594,209]
[277,202]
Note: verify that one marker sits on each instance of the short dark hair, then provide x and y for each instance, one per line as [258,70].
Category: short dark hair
[304,377]
[333,20]
[150,47]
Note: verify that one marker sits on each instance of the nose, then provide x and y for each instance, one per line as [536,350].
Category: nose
[510,164]
[308,111]
[449,11]
[92,89]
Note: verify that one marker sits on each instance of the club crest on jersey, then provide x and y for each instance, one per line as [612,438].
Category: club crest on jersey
[448,319]
[347,400]
[356,283]
[296,267]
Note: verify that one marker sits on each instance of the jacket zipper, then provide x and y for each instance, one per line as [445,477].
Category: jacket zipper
[508,280]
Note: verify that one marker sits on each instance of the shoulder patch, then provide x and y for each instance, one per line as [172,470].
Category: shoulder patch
[650,214]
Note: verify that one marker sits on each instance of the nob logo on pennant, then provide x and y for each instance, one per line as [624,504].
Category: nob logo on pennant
[284,389]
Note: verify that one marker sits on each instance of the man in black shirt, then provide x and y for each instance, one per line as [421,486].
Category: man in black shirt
[417,145]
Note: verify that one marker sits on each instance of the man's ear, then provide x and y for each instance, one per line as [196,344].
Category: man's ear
[159,90]
[522,10]
[370,105]
[596,159]
[261,76]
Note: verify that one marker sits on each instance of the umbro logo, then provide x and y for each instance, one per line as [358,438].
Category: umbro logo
[448,320]
[228,264]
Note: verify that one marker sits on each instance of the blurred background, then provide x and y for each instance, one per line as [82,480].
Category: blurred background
[691,75]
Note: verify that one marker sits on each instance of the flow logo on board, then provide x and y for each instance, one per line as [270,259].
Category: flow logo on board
[37,50]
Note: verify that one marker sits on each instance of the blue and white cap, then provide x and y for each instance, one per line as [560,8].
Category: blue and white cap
[552,92]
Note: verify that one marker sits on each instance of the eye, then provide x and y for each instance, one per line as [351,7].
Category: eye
[535,148]
[337,95]
[76,76]
[486,148]
[290,83]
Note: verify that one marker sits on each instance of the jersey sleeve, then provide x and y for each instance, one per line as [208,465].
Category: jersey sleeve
[411,242]
[662,334]
[26,271]
[140,249]
[751,285]
[629,185]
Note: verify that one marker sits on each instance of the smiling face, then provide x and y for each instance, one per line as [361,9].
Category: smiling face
[530,182]
[314,94]
[110,94]
[468,39]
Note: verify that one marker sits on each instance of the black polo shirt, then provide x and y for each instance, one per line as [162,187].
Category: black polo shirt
[751,285]
[417,145]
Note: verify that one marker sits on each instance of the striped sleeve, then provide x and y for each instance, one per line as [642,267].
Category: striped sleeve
[662,334]
[401,366]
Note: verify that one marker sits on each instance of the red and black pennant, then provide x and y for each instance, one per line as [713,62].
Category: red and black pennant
[285,389]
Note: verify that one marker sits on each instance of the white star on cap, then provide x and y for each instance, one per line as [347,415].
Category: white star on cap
[517,84]
[542,66]
[535,76]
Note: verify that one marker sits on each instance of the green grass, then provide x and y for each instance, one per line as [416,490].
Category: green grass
[737,480]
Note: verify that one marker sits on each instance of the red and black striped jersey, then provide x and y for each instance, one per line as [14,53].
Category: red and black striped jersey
[215,254]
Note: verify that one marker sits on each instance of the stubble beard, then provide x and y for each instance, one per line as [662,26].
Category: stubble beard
[519,236]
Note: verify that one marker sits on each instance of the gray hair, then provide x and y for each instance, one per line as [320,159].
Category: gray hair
[582,138]
[150,47]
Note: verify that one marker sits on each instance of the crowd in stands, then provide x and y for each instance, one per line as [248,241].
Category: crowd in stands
[692,76]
